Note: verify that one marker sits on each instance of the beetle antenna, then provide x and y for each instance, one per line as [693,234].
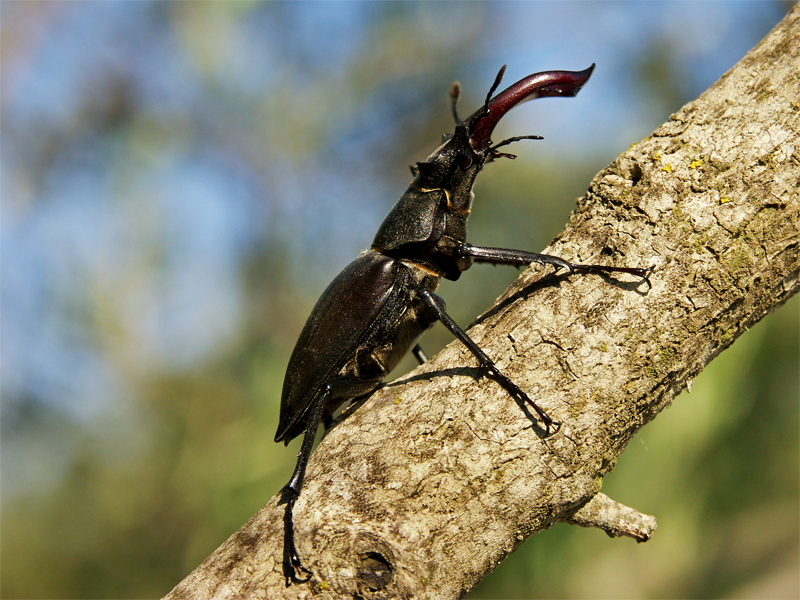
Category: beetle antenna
[495,154]
[455,96]
[484,111]
[492,89]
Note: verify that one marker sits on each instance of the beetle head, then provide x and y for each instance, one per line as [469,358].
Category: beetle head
[430,220]
[454,165]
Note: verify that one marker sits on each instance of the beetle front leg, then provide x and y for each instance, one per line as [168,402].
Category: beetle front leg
[466,254]
[436,304]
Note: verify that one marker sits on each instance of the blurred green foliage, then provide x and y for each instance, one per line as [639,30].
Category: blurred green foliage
[181,180]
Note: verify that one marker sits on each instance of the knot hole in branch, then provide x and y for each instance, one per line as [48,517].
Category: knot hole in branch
[375,572]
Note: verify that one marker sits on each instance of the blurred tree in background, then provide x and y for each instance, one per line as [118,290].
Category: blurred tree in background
[181,180]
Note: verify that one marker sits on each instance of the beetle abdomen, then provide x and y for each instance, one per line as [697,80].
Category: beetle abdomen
[360,328]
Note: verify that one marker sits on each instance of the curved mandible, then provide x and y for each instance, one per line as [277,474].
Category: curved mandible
[482,122]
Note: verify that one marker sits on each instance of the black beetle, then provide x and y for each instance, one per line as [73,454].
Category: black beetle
[372,314]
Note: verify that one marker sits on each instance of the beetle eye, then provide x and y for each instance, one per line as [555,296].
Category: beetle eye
[464,159]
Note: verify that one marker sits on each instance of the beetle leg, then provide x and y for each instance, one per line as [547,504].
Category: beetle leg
[419,354]
[523,258]
[436,303]
[292,560]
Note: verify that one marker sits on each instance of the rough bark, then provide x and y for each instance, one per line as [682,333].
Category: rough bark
[428,484]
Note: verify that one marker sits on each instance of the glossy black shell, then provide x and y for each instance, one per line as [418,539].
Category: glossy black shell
[361,327]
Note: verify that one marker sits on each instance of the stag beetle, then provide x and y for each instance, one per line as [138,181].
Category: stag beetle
[371,315]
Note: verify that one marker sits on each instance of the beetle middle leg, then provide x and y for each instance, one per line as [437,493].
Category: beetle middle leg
[419,354]
[436,304]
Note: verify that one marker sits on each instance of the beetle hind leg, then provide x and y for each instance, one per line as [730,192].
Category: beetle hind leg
[331,389]
[291,559]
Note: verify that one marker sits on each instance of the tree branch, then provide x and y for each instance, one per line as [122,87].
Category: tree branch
[429,483]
